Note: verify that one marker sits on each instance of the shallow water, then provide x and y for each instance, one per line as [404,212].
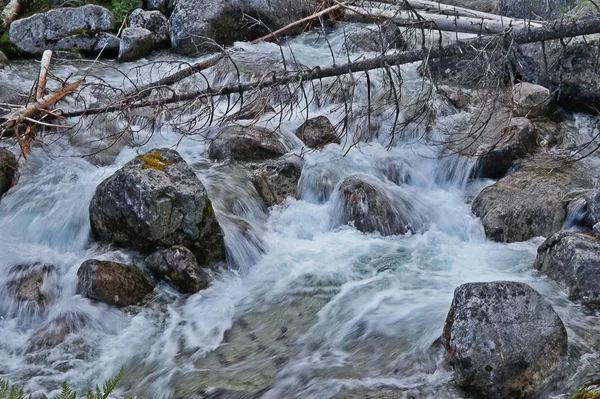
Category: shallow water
[309,308]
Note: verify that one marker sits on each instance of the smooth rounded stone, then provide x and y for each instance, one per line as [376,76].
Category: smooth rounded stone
[531,100]
[3,60]
[251,143]
[195,23]
[179,267]
[10,97]
[156,200]
[573,260]
[44,31]
[55,331]
[8,167]
[113,283]
[317,132]
[530,202]
[135,44]
[25,284]
[369,209]
[155,22]
[253,109]
[503,339]
[515,139]
[276,179]
[378,38]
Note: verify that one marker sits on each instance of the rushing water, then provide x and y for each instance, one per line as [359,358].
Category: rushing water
[309,309]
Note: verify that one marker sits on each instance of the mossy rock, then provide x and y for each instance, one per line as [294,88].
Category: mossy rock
[154,160]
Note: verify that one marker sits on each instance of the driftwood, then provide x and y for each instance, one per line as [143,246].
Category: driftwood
[552,31]
[10,12]
[46,58]
[452,23]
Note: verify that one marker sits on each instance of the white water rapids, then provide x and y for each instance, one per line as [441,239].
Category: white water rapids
[312,308]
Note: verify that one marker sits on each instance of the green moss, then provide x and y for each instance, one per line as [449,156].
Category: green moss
[586,395]
[208,210]
[7,47]
[154,160]
[174,276]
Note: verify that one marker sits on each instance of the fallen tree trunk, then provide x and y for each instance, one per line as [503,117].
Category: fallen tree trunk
[552,31]
[21,115]
[451,23]
[10,12]
[45,65]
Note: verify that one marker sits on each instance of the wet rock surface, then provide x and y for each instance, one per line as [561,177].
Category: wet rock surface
[155,22]
[276,179]
[317,132]
[113,283]
[503,339]
[8,167]
[25,284]
[55,28]
[179,267]
[370,209]
[573,260]
[250,143]
[135,43]
[531,100]
[530,201]
[156,200]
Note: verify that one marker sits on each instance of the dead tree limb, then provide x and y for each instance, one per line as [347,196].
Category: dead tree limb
[279,32]
[553,31]
[45,65]
[451,23]
[10,12]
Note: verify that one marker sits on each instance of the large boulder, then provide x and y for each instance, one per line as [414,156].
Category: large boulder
[113,283]
[164,6]
[46,30]
[251,143]
[195,21]
[156,200]
[275,179]
[503,339]
[155,22]
[8,166]
[54,331]
[500,145]
[573,260]
[530,202]
[317,132]
[135,44]
[179,267]
[369,208]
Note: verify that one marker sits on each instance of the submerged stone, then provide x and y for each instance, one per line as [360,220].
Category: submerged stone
[179,267]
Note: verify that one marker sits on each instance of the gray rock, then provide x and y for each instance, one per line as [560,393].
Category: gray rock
[195,21]
[155,22]
[370,209]
[90,43]
[503,339]
[43,31]
[156,200]
[573,260]
[531,100]
[529,202]
[3,60]
[8,167]
[164,6]
[135,44]
[277,179]
[595,201]
[317,132]
[113,283]
[251,143]
[179,267]
[10,97]
[508,141]
[378,38]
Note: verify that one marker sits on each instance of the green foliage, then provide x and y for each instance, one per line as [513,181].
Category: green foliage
[122,8]
[8,391]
